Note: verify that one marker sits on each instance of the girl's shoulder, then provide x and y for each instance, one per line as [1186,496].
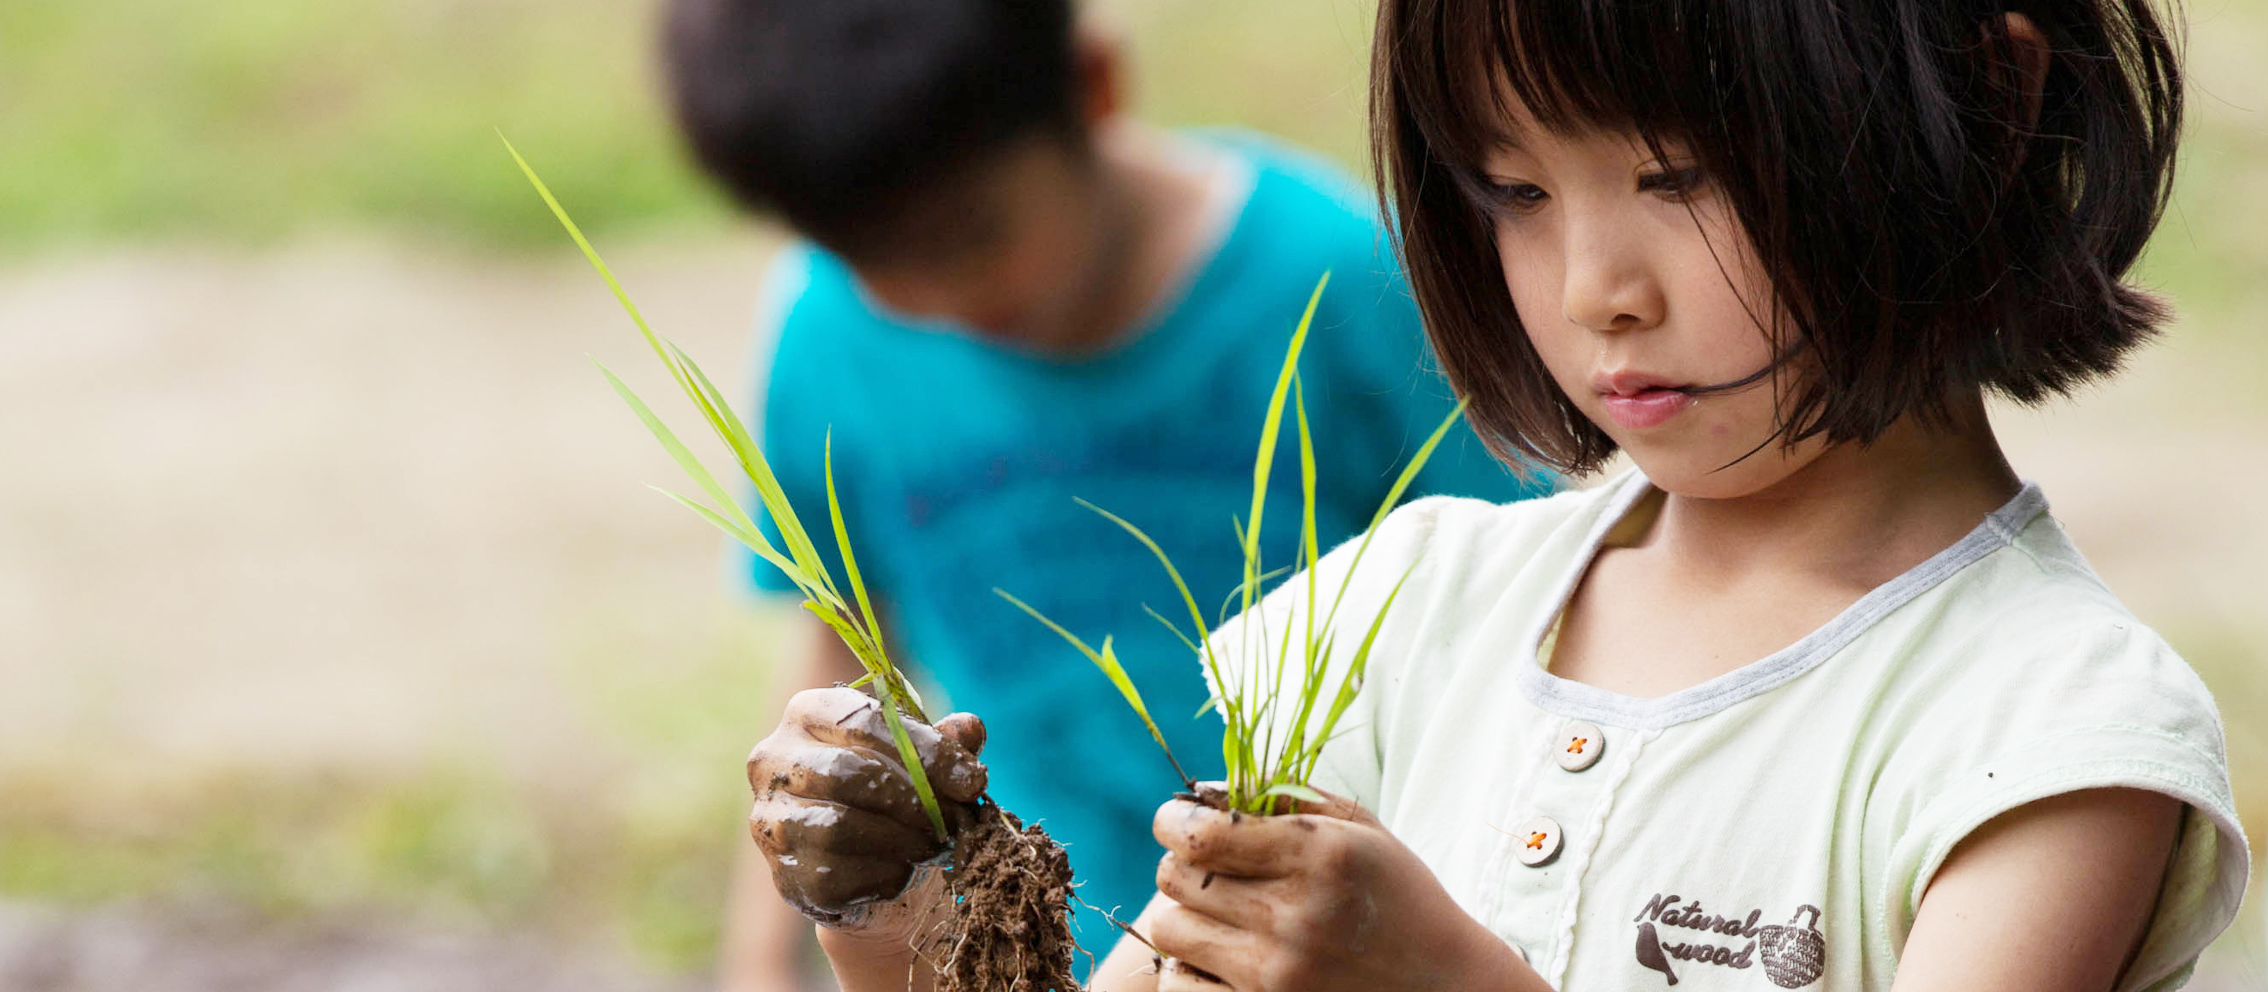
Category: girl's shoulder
[2023,677]
[1462,532]
[1471,554]
[2031,626]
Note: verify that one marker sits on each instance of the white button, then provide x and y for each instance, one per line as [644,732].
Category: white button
[1579,745]
[1537,841]
[1517,952]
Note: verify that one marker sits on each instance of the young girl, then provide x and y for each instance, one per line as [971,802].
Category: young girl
[1819,696]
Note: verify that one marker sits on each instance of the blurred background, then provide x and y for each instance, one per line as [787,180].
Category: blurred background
[341,643]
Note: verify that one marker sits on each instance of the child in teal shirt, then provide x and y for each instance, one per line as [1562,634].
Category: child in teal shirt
[1007,297]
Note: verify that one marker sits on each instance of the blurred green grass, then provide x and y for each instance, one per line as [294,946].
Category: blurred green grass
[631,851]
[250,121]
[246,121]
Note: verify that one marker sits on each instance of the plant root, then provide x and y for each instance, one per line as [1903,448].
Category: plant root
[1010,930]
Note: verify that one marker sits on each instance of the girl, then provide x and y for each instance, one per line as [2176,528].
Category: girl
[1819,695]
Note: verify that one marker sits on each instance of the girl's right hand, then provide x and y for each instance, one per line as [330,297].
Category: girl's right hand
[838,819]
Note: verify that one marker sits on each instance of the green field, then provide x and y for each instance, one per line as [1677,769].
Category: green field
[249,121]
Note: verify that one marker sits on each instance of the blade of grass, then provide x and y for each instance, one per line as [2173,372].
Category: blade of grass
[1393,499]
[677,450]
[1357,673]
[1107,660]
[1176,631]
[758,469]
[1294,791]
[912,758]
[1188,599]
[1265,461]
[842,544]
[802,563]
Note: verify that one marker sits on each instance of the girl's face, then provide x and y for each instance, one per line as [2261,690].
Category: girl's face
[1634,280]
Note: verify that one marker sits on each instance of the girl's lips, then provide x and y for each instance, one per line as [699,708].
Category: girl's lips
[1646,408]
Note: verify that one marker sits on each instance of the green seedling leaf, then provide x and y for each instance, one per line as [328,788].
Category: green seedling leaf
[1188,599]
[752,461]
[753,540]
[1278,711]
[842,542]
[1107,660]
[912,758]
[801,563]
[1203,644]
[677,451]
[1295,791]
[1358,670]
[1393,498]
[1176,631]
[1265,461]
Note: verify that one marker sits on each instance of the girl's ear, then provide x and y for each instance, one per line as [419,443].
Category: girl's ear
[2029,53]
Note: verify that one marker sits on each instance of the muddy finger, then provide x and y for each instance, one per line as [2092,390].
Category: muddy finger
[831,892]
[846,776]
[1247,904]
[1202,952]
[817,831]
[954,772]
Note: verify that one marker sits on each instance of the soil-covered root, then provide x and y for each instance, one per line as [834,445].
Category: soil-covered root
[1010,930]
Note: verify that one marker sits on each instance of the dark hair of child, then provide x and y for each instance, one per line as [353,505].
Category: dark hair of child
[842,116]
[1926,225]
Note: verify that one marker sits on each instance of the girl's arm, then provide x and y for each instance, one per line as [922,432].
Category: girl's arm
[2053,895]
[863,964]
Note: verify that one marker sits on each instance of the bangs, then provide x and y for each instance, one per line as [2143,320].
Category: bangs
[1931,218]
[1472,69]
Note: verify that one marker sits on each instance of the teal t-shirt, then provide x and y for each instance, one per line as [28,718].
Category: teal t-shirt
[957,463]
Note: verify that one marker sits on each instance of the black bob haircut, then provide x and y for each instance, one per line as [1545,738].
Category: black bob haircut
[841,116]
[1921,233]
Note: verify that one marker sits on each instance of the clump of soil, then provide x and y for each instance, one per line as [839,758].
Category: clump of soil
[1010,930]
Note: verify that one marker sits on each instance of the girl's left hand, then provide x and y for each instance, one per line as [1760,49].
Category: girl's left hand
[1320,900]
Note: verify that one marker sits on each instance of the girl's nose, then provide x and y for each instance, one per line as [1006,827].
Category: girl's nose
[1609,285]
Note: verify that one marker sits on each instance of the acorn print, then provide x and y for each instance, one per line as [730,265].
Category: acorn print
[1794,958]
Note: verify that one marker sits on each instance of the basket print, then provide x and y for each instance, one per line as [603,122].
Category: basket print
[1794,956]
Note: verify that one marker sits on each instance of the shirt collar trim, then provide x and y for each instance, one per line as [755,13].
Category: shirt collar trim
[1586,702]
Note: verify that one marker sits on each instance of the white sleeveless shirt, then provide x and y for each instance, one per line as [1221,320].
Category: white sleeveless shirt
[1774,827]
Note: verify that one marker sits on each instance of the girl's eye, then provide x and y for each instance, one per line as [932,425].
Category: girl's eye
[1517,198]
[1674,185]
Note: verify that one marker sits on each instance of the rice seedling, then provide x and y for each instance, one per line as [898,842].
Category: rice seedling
[1272,740]
[1009,885]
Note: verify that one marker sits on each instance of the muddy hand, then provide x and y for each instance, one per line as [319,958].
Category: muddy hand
[1321,900]
[836,815]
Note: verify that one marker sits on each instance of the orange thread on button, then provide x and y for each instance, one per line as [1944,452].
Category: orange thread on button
[1535,841]
[1577,746]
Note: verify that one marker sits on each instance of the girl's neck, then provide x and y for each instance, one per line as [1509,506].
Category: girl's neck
[1855,515]
[1706,586]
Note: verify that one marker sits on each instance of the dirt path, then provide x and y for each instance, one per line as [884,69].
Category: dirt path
[354,499]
